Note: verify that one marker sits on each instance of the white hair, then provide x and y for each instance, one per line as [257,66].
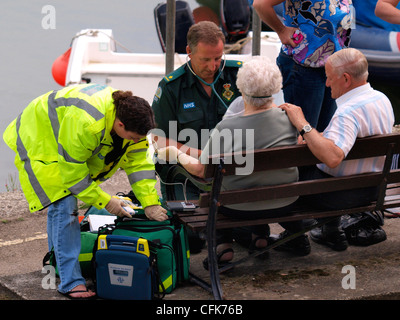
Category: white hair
[351,61]
[258,79]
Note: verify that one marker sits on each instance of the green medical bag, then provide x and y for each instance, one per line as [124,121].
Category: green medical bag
[171,243]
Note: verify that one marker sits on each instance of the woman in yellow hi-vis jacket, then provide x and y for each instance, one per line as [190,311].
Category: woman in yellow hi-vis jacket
[69,141]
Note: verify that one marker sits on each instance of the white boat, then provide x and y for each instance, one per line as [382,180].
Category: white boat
[93,57]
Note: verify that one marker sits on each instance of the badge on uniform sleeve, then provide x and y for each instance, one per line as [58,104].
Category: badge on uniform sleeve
[157,96]
[227,93]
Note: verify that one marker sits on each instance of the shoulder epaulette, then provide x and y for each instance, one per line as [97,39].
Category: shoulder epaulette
[175,74]
[233,63]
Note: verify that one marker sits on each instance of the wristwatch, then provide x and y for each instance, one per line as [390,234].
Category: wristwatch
[307,128]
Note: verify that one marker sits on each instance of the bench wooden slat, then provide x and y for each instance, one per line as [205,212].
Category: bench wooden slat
[300,155]
[197,221]
[300,188]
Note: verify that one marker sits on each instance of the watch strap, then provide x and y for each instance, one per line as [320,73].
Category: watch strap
[303,131]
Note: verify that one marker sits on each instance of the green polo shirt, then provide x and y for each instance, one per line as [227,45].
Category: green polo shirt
[181,103]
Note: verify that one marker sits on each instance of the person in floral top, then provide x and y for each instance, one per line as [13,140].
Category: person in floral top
[310,32]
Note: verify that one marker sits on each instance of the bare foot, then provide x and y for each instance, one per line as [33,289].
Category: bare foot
[81,292]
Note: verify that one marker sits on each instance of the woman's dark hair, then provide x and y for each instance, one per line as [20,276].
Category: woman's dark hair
[134,112]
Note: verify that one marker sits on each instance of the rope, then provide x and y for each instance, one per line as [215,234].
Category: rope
[238,45]
[94,33]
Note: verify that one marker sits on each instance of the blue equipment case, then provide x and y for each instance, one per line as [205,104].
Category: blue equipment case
[124,268]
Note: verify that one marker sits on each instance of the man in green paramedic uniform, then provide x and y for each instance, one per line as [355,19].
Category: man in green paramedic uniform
[190,101]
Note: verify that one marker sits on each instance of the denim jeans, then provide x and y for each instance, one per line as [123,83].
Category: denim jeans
[64,235]
[305,87]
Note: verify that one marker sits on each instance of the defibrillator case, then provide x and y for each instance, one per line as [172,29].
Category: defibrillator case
[124,268]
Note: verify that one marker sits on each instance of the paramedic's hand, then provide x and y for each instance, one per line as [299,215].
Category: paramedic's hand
[156,212]
[115,207]
[169,153]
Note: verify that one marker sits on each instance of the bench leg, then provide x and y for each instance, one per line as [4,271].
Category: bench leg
[212,256]
[212,234]
[200,282]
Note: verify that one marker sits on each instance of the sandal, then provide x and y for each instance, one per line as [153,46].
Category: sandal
[220,263]
[68,295]
[253,248]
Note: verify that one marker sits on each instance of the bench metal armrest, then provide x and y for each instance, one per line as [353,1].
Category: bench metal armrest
[176,170]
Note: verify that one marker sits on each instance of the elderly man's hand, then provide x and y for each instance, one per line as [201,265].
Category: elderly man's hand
[295,114]
[156,212]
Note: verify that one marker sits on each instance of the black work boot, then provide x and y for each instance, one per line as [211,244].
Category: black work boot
[334,238]
[299,246]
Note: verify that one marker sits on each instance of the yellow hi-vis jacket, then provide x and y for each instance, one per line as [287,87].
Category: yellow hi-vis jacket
[61,140]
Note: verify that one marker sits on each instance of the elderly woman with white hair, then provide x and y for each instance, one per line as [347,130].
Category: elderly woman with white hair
[262,125]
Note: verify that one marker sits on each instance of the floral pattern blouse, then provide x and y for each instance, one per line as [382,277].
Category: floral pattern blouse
[325,27]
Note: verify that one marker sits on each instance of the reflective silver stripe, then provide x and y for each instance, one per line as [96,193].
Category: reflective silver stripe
[92,89]
[138,150]
[54,103]
[81,185]
[141,175]
[52,113]
[97,149]
[67,157]
[23,154]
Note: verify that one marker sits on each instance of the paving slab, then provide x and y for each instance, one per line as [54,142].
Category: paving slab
[359,273]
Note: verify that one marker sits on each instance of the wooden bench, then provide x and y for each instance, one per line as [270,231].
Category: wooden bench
[206,217]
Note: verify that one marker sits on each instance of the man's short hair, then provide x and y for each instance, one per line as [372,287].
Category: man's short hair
[351,61]
[206,32]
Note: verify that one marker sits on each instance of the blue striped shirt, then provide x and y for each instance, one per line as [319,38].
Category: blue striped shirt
[360,112]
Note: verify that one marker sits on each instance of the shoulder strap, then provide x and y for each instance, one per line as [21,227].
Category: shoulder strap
[49,259]
[175,74]
[233,63]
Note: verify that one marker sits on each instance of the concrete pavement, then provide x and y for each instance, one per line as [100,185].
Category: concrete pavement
[357,273]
